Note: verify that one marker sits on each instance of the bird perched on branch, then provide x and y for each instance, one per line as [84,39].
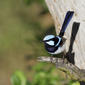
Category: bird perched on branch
[56,44]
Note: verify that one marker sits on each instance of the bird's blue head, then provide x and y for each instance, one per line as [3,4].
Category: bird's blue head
[52,40]
[52,43]
[49,39]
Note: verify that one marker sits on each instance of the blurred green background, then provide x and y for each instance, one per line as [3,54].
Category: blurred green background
[23,24]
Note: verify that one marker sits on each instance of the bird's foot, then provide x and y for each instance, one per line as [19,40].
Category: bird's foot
[51,58]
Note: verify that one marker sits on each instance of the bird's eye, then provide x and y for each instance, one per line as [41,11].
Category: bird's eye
[57,41]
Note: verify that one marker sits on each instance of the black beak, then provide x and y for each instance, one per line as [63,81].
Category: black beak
[42,41]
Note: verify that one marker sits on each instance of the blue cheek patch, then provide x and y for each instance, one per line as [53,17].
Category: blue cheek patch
[50,43]
[59,40]
[48,37]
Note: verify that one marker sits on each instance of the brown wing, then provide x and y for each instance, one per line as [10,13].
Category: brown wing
[62,41]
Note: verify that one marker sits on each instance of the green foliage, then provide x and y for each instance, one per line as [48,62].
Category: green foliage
[18,78]
[74,83]
[43,75]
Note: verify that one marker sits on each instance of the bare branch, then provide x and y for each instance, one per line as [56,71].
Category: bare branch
[73,71]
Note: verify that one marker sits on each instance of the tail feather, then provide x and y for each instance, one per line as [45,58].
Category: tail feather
[67,19]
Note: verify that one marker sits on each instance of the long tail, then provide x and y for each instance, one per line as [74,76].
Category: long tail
[67,19]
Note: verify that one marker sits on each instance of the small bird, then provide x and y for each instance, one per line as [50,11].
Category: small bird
[56,44]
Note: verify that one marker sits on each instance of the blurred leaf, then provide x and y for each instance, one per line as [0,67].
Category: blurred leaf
[73,82]
[76,83]
[18,78]
[44,75]
[39,67]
